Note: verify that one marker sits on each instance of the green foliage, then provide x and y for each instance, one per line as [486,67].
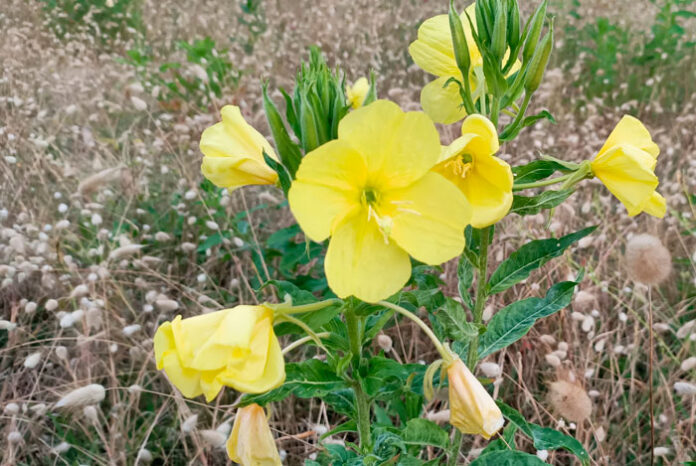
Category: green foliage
[514,321]
[106,21]
[529,257]
[507,458]
[625,65]
[206,74]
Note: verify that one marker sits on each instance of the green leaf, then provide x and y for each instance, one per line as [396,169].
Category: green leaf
[535,171]
[514,321]
[544,438]
[283,176]
[532,205]
[307,379]
[289,152]
[423,432]
[454,322]
[532,255]
[508,458]
[543,115]
[465,276]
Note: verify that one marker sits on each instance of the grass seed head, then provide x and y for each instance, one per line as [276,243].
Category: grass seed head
[647,260]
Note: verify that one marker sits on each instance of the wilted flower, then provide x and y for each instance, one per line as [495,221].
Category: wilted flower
[233,152]
[626,166]
[235,347]
[472,410]
[485,180]
[251,442]
[372,191]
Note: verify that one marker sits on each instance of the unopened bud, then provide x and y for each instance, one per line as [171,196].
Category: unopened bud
[461,48]
[537,66]
[533,32]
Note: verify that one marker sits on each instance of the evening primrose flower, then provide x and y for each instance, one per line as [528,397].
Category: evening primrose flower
[373,192]
[626,166]
[234,347]
[485,180]
[472,410]
[251,441]
[357,92]
[233,152]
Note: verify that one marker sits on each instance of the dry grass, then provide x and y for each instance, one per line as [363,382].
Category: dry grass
[66,113]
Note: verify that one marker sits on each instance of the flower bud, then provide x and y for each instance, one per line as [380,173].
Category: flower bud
[251,442]
[537,66]
[499,44]
[357,93]
[461,48]
[472,410]
[533,32]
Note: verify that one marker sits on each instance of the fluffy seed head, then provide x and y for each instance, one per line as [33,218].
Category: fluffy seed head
[685,388]
[88,395]
[647,260]
[570,400]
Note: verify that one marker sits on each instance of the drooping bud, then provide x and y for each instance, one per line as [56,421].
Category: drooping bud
[251,442]
[472,409]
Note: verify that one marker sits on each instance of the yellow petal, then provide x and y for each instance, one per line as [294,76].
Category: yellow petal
[429,218]
[327,187]
[398,147]
[163,343]
[488,187]
[433,50]
[357,92]
[487,141]
[361,263]
[442,104]
[656,206]
[251,441]
[630,131]
[628,173]
[186,380]
[191,336]
[233,152]
[233,172]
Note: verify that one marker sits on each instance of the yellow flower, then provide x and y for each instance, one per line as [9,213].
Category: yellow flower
[433,52]
[234,347]
[472,410]
[372,191]
[485,180]
[251,441]
[233,152]
[626,166]
[357,92]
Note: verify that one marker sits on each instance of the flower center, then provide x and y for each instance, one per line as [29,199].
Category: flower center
[370,199]
[460,165]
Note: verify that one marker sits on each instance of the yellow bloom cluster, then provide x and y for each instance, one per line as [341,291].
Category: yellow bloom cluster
[234,347]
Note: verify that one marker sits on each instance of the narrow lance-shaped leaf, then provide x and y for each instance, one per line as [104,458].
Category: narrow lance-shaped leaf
[465,277]
[532,205]
[531,256]
[289,152]
[514,321]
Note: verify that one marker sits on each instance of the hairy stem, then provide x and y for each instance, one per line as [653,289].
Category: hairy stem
[362,403]
[303,340]
[481,295]
[446,355]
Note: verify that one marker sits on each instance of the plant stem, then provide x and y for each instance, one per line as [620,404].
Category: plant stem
[539,184]
[362,404]
[481,295]
[304,340]
[457,443]
[284,308]
[495,110]
[520,116]
[446,355]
